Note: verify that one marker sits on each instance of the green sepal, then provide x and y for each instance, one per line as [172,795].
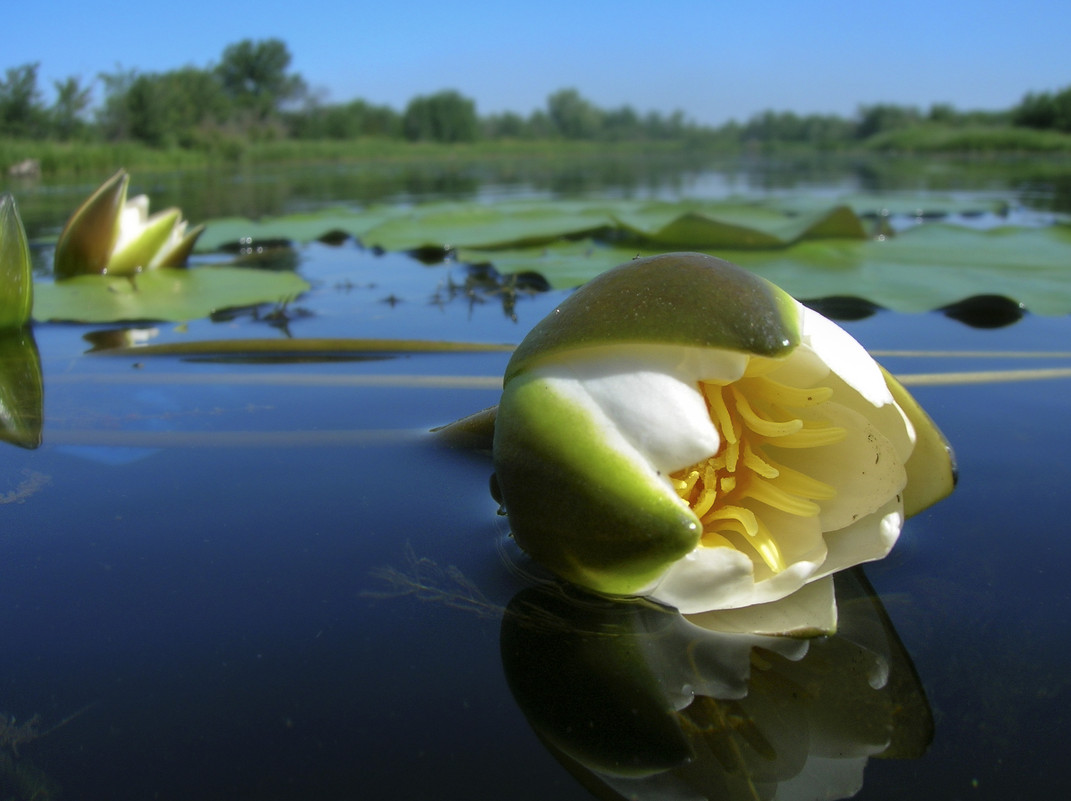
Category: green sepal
[85,245]
[578,506]
[673,299]
[138,254]
[474,432]
[180,254]
[931,468]
[16,269]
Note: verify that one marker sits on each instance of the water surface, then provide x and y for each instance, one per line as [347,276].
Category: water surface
[246,579]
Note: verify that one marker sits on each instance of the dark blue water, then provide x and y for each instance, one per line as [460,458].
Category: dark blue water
[249,580]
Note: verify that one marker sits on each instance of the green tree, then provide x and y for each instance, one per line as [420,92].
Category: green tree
[621,124]
[445,116]
[68,110]
[1045,110]
[344,121]
[507,125]
[21,113]
[573,117]
[254,75]
[882,117]
[113,116]
[163,109]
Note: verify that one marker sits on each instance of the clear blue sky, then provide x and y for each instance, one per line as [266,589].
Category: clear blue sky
[714,60]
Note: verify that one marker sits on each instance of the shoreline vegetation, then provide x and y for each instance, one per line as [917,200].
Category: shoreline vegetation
[58,159]
[251,109]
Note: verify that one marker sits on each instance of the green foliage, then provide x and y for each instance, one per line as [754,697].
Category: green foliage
[883,117]
[68,111]
[167,108]
[254,76]
[21,114]
[824,131]
[573,117]
[442,117]
[968,139]
[1045,110]
[344,122]
[252,97]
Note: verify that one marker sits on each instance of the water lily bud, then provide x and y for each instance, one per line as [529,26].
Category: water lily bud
[683,429]
[16,271]
[110,234]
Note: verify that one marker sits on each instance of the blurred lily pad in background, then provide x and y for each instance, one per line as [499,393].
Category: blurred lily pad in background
[905,254]
[164,294]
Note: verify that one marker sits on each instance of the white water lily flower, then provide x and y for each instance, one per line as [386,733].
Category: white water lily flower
[682,429]
[109,234]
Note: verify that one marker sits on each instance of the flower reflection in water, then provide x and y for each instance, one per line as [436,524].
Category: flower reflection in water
[640,702]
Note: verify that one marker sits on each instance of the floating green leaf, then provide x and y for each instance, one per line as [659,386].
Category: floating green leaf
[739,227]
[164,294]
[298,228]
[919,270]
[811,247]
[487,226]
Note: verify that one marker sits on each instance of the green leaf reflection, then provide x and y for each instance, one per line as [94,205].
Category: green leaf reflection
[21,389]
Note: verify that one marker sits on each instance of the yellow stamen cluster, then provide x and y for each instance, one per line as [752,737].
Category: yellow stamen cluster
[730,491]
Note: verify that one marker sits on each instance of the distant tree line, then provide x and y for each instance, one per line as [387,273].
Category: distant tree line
[251,94]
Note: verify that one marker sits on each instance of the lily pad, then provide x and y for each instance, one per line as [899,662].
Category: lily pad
[486,226]
[166,294]
[514,224]
[738,227]
[931,266]
[811,247]
[919,270]
[305,227]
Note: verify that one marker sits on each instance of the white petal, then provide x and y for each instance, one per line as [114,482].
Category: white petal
[725,578]
[844,356]
[810,610]
[705,579]
[648,396]
[864,467]
[132,220]
[866,540]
